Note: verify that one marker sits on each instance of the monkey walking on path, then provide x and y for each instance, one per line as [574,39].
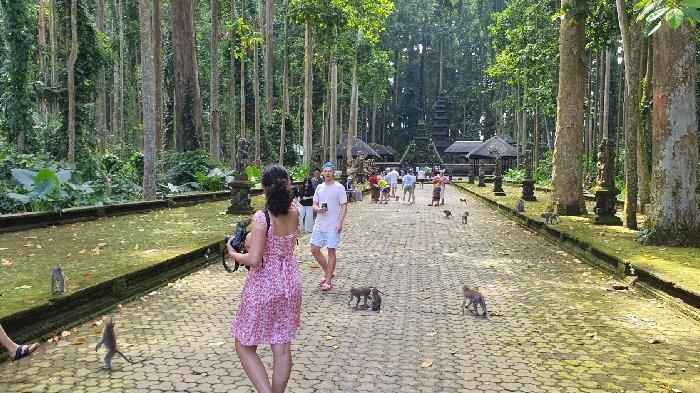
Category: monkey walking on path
[473,297]
[109,339]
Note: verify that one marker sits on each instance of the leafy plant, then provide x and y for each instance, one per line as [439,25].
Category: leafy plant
[254,174]
[543,172]
[514,175]
[299,172]
[48,189]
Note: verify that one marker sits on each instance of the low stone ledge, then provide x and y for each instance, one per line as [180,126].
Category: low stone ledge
[600,258]
[23,221]
[65,312]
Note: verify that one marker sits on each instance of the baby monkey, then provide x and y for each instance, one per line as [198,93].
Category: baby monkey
[465,217]
[550,218]
[447,213]
[376,299]
[520,206]
[109,339]
[473,297]
[363,292]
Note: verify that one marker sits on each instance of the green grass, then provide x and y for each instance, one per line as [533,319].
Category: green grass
[96,251]
[679,265]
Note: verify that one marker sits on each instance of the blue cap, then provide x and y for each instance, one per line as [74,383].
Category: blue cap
[328,165]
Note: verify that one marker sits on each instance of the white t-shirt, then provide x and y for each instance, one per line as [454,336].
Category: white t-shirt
[421,175]
[393,177]
[334,195]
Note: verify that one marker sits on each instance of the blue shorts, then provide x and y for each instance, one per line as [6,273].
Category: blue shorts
[325,239]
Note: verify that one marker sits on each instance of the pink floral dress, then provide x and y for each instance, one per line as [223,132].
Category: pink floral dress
[270,308]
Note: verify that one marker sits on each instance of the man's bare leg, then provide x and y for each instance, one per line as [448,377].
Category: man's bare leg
[320,259]
[331,265]
[7,342]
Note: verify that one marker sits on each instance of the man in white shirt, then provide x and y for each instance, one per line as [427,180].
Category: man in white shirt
[409,185]
[330,204]
[421,177]
[393,178]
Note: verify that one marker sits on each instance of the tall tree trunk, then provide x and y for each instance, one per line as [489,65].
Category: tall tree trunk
[374,117]
[441,67]
[215,139]
[352,119]
[632,47]
[285,89]
[567,176]
[643,133]
[43,14]
[118,90]
[72,57]
[242,100]
[333,115]
[234,91]
[606,96]
[148,84]
[536,138]
[158,65]
[52,56]
[256,106]
[674,137]
[188,105]
[101,85]
[269,54]
[308,94]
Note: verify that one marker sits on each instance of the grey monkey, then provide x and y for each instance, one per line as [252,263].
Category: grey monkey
[447,213]
[475,298]
[550,218]
[376,300]
[465,217]
[363,292]
[109,339]
[58,281]
[520,206]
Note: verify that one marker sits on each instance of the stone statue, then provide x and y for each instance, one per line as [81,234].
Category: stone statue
[604,176]
[243,154]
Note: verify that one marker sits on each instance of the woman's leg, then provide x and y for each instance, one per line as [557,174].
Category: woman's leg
[7,342]
[309,218]
[281,366]
[253,367]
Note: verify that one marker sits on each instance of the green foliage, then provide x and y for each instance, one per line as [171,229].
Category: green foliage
[514,175]
[48,189]
[181,168]
[254,174]
[16,99]
[299,172]
[674,12]
[543,172]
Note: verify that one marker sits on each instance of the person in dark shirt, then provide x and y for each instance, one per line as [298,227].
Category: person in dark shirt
[306,200]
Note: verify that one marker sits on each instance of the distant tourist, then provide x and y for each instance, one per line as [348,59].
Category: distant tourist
[437,189]
[409,186]
[374,187]
[384,190]
[270,307]
[421,177]
[306,200]
[393,178]
[16,351]
[330,204]
[444,180]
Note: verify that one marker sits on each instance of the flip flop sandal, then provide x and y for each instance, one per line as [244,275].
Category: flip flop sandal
[24,350]
[326,287]
[323,279]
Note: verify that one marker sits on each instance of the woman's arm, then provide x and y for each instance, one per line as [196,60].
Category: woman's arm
[255,244]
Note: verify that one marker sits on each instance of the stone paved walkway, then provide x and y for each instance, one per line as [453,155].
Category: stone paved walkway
[554,326]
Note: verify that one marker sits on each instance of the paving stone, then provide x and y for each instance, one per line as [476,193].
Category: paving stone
[552,326]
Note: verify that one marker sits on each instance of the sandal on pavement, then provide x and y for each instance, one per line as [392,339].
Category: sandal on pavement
[24,350]
[326,287]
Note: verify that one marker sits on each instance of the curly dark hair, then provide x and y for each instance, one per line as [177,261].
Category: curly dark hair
[275,181]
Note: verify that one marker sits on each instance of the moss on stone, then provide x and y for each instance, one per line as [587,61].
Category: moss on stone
[96,251]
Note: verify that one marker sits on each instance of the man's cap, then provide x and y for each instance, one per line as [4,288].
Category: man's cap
[328,165]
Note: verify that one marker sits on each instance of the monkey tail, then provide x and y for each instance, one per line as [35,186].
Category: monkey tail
[125,358]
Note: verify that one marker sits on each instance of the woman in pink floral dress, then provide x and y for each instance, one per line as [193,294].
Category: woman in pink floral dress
[269,312]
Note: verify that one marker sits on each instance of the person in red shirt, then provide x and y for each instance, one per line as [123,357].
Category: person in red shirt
[374,185]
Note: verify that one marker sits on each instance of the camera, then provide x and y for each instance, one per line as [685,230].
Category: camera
[237,241]
[324,205]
